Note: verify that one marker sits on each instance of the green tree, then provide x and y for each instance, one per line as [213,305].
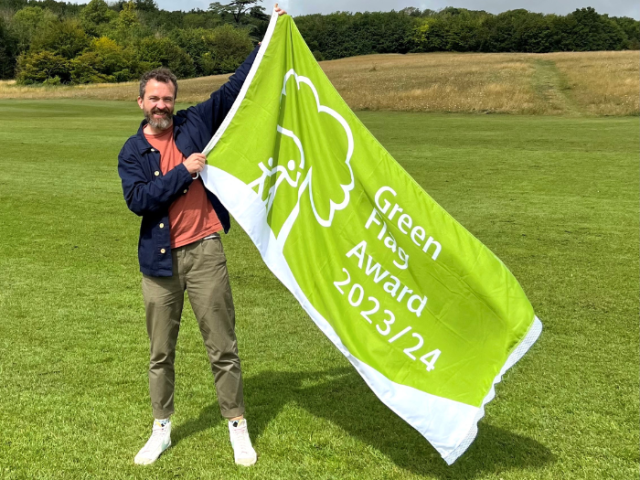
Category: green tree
[430,35]
[8,49]
[86,69]
[228,47]
[236,8]
[631,28]
[114,57]
[378,32]
[104,61]
[586,30]
[344,34]
[197,43]
[60,9]
[146,5]
[201,19]
[26,22]
[516,31]
[168,54]
[128,28]
[220,50]
[258,12]
[61,37]
[411,11]
[162,21]
[96,16]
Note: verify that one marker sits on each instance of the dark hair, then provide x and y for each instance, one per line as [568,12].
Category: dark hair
[161,74]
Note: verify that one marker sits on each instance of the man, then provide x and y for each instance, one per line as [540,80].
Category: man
[180,248]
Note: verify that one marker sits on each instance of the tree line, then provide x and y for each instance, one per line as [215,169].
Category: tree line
[51,42]
[452,29]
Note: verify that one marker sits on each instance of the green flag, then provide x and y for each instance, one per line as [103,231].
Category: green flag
[427,315]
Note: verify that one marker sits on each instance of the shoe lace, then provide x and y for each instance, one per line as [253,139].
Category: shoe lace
[157,436]
[241,440]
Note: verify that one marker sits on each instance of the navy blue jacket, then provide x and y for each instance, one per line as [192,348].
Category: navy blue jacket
[149,193]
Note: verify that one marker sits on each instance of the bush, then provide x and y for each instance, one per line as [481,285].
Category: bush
[52,81]
[37,67]
[88,68]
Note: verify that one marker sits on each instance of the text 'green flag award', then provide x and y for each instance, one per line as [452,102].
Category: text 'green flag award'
[427,315]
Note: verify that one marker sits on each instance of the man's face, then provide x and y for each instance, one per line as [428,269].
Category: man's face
[158,103]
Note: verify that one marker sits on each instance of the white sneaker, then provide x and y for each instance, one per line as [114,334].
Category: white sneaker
[243,452]
[159,441]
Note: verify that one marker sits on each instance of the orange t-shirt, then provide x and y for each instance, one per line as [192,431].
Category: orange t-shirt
[191,216]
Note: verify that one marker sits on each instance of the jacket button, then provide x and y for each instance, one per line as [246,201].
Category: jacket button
[162,250]
[161,225]
[185,190]
[153,149]
[156,173]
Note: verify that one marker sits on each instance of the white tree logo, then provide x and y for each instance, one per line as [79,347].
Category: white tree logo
[319,165]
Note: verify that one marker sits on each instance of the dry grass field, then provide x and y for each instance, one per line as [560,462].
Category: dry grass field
[437,82]
[585,83]
[601,83]
[190,91]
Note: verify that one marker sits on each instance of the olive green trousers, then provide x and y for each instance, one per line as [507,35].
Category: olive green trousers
[200,268]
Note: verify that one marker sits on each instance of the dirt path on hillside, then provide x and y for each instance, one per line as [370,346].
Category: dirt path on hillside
[549,84]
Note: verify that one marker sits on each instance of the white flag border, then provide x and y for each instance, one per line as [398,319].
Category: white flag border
[460,419]
[245,86]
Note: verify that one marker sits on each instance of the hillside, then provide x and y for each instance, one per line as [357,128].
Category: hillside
[568,83]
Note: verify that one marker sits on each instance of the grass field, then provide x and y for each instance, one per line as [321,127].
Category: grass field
[576,84]
[556,198]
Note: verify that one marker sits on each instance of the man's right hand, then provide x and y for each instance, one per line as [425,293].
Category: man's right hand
[195,163]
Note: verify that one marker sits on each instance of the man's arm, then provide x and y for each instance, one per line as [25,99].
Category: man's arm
[216,108]
[144,197]
[213,110]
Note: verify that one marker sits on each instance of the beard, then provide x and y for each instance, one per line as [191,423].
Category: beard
[159,123]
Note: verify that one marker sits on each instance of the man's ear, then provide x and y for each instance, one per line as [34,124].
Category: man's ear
[140,102]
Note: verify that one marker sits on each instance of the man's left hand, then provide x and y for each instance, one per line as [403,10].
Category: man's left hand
[280,12]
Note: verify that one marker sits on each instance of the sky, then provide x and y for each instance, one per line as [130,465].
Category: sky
[618,8]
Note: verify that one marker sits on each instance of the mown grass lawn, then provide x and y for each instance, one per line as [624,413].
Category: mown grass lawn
[555,198]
